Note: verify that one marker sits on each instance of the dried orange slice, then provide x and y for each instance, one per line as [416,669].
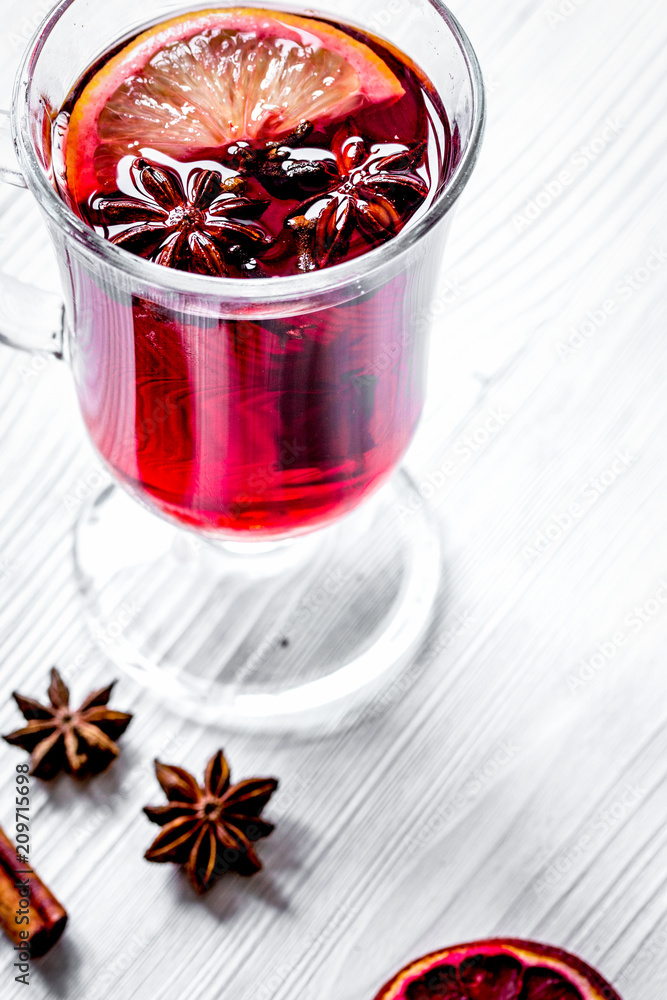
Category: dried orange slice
[205,79]
[500,969]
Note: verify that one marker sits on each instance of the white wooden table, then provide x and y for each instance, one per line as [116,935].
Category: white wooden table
[519,787]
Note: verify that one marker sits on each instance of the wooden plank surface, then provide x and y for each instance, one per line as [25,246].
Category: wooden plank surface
[518,786]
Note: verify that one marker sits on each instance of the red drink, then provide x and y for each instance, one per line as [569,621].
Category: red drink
[270,426]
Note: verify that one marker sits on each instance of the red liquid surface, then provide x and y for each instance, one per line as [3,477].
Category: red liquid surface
[263,427]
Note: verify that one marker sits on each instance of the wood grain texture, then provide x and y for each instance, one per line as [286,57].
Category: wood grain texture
[519,786]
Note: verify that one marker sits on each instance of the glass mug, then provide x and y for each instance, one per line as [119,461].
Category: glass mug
[279,587]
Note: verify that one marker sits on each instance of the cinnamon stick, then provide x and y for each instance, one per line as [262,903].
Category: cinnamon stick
[27,907]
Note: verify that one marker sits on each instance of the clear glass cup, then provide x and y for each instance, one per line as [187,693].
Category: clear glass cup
[265,593]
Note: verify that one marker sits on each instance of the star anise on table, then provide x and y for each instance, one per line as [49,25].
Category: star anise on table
[209,829]
[59,738]
[373,196]
[199,226]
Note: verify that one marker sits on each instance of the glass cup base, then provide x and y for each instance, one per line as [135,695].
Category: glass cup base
[276,636]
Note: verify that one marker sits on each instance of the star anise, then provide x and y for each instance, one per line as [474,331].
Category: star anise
[201,229]
[374,194]
[210,830]
[285,168]
[79,741]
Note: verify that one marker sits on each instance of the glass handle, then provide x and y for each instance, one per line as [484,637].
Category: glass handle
[30,318]
[9,165]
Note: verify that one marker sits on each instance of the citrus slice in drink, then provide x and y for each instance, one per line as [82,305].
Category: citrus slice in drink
[209,78]
[500,969]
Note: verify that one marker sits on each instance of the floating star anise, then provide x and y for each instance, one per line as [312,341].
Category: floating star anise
[374,194]
[285,168]
[210,830]
[201,229]
[79,741]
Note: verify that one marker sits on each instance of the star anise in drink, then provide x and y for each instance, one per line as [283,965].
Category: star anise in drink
[286,169]
[200,226]
[60,738]
[210,829]
[374,194]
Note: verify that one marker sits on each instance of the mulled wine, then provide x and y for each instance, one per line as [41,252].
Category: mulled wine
[251,145]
